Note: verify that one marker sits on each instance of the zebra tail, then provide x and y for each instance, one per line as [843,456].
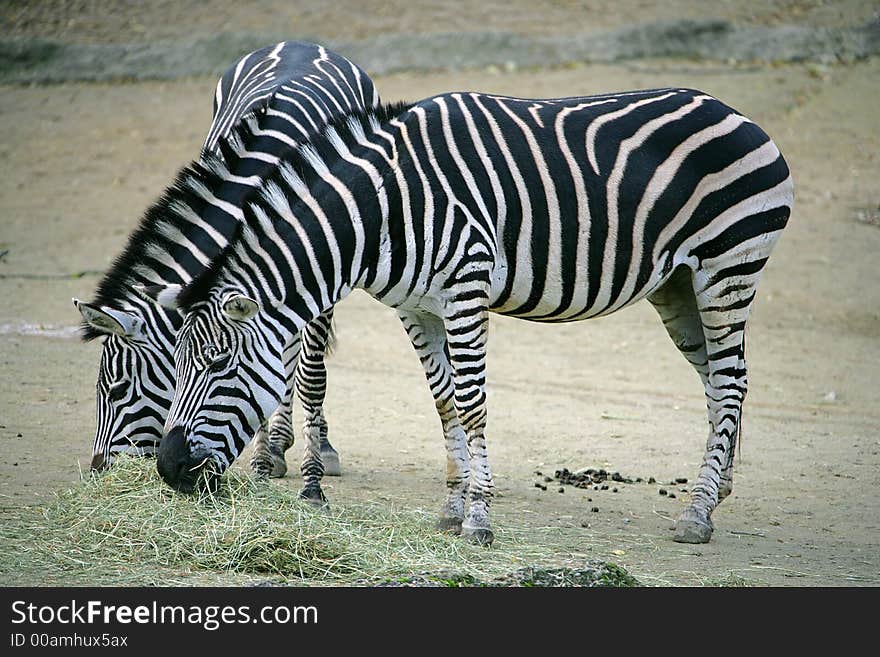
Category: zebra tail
[330,347]
[739,426]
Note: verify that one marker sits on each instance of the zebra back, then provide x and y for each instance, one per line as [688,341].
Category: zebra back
[304,82]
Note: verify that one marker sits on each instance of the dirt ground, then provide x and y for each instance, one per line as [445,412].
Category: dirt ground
[80,162]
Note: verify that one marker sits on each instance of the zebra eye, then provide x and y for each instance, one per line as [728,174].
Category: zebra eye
[117,391]
[220,361]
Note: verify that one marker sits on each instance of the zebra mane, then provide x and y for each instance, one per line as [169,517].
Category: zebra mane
[169,219]
[343,129]
[155,234]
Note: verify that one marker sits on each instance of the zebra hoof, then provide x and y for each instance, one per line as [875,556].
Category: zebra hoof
[279,467]
[261,469]
[690,528]
[688,531]
[314,496]
[478,535]
[330,461]
[449,525]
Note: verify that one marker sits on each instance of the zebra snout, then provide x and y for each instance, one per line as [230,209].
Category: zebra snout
[179,467]
[99,463]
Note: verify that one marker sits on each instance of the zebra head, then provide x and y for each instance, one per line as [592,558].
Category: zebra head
[230,378]
[135,385]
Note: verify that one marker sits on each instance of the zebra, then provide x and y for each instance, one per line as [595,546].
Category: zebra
[550,210]
[284,92]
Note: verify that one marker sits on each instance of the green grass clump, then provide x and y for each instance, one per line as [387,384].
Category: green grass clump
[126,527]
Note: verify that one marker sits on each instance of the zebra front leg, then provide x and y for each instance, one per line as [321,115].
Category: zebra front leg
[311,382]
[312,466]
[274,440]
[311,387]
[428,337]
[467,331]
[261,460]
[270,443]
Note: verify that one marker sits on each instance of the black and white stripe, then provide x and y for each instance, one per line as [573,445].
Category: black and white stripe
[465,203]
[284,93]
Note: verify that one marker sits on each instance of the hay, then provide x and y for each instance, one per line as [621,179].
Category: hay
[126,527]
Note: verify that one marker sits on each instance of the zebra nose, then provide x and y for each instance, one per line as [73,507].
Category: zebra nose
[173,461]
[180,468]
[98,462]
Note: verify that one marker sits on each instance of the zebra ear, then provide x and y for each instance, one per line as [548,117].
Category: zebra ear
[163,295]
[239,307]
[107,320]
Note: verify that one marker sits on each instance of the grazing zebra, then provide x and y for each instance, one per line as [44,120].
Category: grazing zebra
[465,203]
[285,92]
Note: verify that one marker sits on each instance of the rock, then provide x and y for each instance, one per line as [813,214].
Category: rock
[662,491]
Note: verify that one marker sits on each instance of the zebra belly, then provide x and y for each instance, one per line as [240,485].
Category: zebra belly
[548,307]
[565,291]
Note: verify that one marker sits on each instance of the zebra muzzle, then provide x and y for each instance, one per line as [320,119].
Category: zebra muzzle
[99,463]
[180,468]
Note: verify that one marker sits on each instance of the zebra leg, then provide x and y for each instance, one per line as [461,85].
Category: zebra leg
[318,341]
[311,387]
[275,438]
[428,337]
[467,330]
[281,435]
[723,301]
[261,461]
[676,304]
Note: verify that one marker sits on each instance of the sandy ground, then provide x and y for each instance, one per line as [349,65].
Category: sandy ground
[112,21]
[80,162]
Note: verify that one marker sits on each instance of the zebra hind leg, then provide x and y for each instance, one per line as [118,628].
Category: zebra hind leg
[676,304]
[723,300]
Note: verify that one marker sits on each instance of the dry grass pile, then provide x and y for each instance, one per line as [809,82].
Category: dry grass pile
[126,527]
